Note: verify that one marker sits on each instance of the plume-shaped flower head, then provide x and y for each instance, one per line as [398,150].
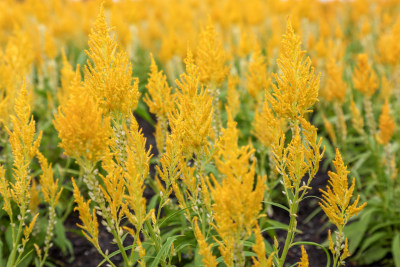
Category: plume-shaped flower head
[296,88]
[337,197]
[108,75]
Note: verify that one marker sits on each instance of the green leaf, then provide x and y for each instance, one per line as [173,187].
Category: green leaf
[374,254]
[277,205]
[142,112]
[164,250]
[396,249]
[373,239]
[61,239]
[114,253]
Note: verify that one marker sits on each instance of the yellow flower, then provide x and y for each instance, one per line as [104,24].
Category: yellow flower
[90,226]
[256,76]
[83,131]
[160,99]
[237,200]
[299,157]
[297,86]
[330,130]
[304,258]
[50,188]
[69,79]
[266,127]
[356,118]
[24,147]
[259,249]
[108,76]
[386,125]
[336,198]
[209,259]
[364,77]
[211,57]
[335,89]
[232,95]
[192,117]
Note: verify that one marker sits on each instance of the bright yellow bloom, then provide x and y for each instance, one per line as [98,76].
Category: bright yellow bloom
[191,120]
[297,86]
[232,95]
[160,99]
[356,118]
[256,77]
[304,258]
[108,76]
[50,188]
[90,226]
[24,147]
[237,200]
[83,131]
[364,77]
[336,198]
[329,129]
[266,127]
[389,45]
[299,157]
[259,249]
[336,88]
[15,65]
[137,170]
[386,88]
[209,259]
[386,125]
[211,57]
[69,79]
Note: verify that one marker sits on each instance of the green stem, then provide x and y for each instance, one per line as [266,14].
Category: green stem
[291,233]
[155,241]
[11,259]
[121,247]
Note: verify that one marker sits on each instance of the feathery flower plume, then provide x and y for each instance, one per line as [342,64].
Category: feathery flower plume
[297,86]
[108,74]
[386,125]
[364,77]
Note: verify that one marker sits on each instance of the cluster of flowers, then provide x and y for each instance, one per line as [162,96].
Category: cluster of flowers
[223,65]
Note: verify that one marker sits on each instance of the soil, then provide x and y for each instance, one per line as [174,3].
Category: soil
[85,255]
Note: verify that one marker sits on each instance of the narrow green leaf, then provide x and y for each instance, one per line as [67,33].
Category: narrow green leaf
[164,250]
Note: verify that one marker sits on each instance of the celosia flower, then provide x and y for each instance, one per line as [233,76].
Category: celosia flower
[232,95]
[336,198]
[335,89]
[83,131]
[364,77]
[209,259]
[90,225]
[256,77]
[304,258]
[108,77]
[191,120]
[259,249]
[386,125]
[160,99]
[297,86]
[266,127]
[299,157]
[69,78]
[356,118]
[211,57]
[237,200]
